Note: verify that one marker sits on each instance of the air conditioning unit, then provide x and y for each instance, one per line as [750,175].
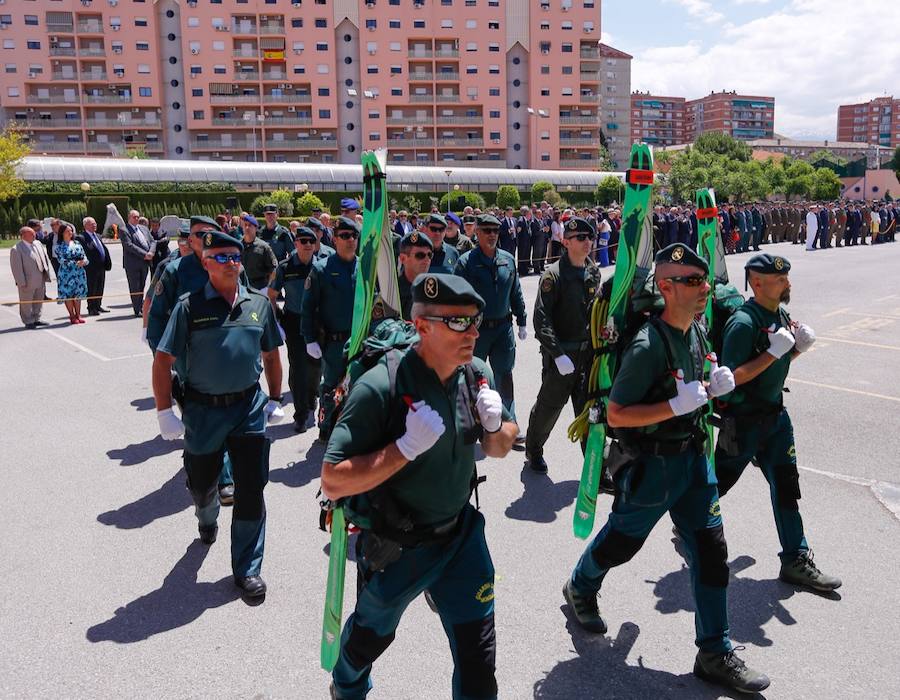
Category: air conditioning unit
[117,49]
[370,5]
[91,133]
[32,74]
[52,38]
[283,86]
[115,27]
[371,28]
[4,26]
[192,3]
[195,51]
[496,141]
[292,109]
[297,52]
[113,3]
[371,52]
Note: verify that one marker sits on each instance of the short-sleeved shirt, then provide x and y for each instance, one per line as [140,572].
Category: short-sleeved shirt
[259,262]
[219,346]
[291,275]
[744,339]
[435,486]
[644,374]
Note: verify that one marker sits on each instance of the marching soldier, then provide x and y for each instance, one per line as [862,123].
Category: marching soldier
[219,333]
[323,250]
[304,371]
[183,248]
[492,273]
[327,314]
[445,255]
[277,236]
[561,320]
[657,420]
[258,258]
[416,252]
[402,453]
[759,347]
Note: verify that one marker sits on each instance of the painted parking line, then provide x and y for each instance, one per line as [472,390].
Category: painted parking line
[878,346]
[836,312]
[848,390]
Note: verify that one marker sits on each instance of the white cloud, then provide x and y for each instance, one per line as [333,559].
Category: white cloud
[812,56]
[701,9]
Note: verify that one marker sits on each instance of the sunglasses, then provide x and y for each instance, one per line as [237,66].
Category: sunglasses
[348,236]
[459,324]
[225,258]
[490,231]
[581,237]
[304,241]
[436,229]
[689,281]
[422,254]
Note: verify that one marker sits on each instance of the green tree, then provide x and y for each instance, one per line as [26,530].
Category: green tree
[609,190]
[473,199]
[12,150]
[895,162]
[723,145]
[826,159]
[553,198]
[538,189]
[508,196]
[282,198]
[826,184]
[307,202]
[605,162]
[137,153]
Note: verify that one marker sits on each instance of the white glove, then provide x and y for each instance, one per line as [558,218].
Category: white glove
[523,332]
[274,412]
[424,426]
[314,351]
[690,397]
[144,334]
[170,425]
[804,337]
[490,409]
[780,341]
[721,379]
[281,332]
[564,365]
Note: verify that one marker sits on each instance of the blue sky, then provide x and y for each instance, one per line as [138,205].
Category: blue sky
[811,55]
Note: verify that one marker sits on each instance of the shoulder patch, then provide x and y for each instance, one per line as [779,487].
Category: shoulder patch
[547,284]
[308,283]
[158,289]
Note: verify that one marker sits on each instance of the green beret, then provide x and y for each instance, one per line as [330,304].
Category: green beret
[414,238]
[469,219]
[206,221]
[436,219]
[270,208]
[216,239]
[450,290]
[767,264]
[487,220]
[577,225]
[345,223]
[680,254]
[313,222]
[185,229]
[304,233]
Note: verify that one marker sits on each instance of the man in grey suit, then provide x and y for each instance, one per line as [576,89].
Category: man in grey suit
[32,271]
[138,248]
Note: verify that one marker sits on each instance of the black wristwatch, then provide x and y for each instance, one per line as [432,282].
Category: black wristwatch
[277,399]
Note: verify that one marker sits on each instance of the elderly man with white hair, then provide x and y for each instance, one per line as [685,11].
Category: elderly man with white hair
[138,248]
[99,263]
[32,271]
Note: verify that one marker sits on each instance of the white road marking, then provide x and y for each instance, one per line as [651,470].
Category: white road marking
[846,389]
[128,357]
[887,493]
[836,312]
[859,342]
[889,296]
[869,314]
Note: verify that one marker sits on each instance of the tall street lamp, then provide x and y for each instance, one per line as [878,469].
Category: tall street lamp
[448,173]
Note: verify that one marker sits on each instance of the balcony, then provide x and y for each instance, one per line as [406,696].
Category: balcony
[453,163]
[300,145]
[580,141]
[49,123]
[459,119]
[234,99]
[71,77]
[593,120]
[287,121]
[271,29]
[460,143]
[240,75]
[274,75]
[246,53]
[420,53]
[409,143]
[55,98]
[60,28]
[421,98]
[579,164]
[225,144]
[108,99]
[90,27]
[283,99]
[92,51]
[94,76]
[116,123]
[446,98]
[62,50]
[589,76]
[446,53]
[420,77]
[57,147]
[589,98]
[446,75]
[243,28]
[403,121]
[589,53]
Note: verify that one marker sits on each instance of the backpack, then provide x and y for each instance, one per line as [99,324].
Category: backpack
[726,300]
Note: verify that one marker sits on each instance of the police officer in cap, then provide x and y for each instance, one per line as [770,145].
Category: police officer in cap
[404,447]
[304,371]
[323,238]
[759,344]
[220,333]
[492,273]
[258,258]
[416,252]
[277,236]
[445,255]
[327,314]
[655,408]
[184,248]
[561,325]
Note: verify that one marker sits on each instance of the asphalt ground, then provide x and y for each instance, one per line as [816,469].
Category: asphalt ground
[107,593]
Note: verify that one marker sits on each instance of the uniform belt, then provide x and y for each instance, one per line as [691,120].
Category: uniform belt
[338,337]
[218,400]
[496,322]
[663,448]
[421,535]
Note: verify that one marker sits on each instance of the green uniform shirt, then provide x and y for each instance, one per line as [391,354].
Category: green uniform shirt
[743,339]
[444,260]
[406,300]
[170,258]
[290,275]
[563,306]
[329,298]
[259,262]
[279,239]
[462,243]
[496,280]
[220,346]
[435,486]
[644,375]
[179,277]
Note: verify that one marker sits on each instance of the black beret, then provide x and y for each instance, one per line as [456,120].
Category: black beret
[486,220]
[469,219]
[216,239]
[767,264]
[270,208]
[345,223]
[418,239]
[577,225]
[436,219]
[314,223]
[680,254]
[206,221]
[304,232]
[450,290]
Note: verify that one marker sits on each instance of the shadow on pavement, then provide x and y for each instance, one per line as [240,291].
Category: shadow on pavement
[542,498]
[297,474]
[177,602]
[144,404]
[170,498]
[602,671]
[140,452]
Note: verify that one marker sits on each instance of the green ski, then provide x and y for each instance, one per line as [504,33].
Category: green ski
[635,251]
[371,267]
[707,238]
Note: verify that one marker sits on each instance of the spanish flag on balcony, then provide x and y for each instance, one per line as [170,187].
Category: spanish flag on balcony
[273,55]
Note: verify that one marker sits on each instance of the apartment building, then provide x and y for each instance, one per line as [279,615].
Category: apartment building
[658,119]
[744,117]
[876,121]
[501,83]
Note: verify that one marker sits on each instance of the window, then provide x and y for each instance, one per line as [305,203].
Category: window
[446,24]
[395,46]
[140,21]
[10,67]
[33,45]
[321,23]
[12,91]
[374,114]
[396,70]
[199,114]
[372,70]
[31,20]
[193,22]
[296,22]
[299,70]
[495,136]
[471,70]
[142,46]
[396,92]
[324,114]
[545,47]
[494,92]
[545,70]
[471,24]
[194,47]
[297,47]
[219,70]
[566,26]
[374,136]
[494,114]
[5,20]
[494,70]
[494,47]
[218,46]
[145,92]
[321,46]
[419,23]
[545,26]
[143,68]
[567,70]
[545,92]
[324,92]
[322,68]
[196,92]
[372,47]
[567,48]
[471,46]
[588,26]
[371,24]
[493,25]
[196,70]
[394,24]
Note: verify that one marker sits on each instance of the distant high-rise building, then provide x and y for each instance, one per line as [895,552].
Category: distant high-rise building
[876,122]
[511,83]
[657,120]
[744,117]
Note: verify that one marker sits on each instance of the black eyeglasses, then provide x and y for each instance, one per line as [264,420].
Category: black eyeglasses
[422,254]
[304,241]
[582,237]
[459,324]
[225,258]
[492,231]
[688,281]
[436,229]
[347,235]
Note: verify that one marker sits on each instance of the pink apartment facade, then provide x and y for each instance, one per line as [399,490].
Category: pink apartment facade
[501,83]
[875,122]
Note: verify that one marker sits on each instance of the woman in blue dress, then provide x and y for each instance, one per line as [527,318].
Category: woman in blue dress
[71,281]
